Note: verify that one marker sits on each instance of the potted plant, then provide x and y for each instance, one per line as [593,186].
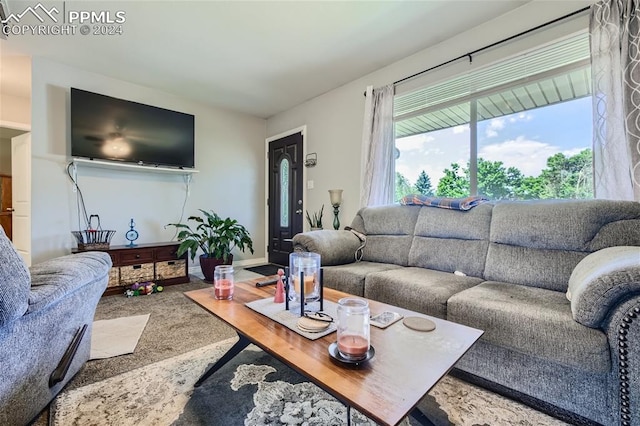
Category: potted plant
[315,221]
[216,237]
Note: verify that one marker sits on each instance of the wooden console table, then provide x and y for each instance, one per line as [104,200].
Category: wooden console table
[157,262]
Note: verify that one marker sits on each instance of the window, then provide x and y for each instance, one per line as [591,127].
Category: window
[284,192]
[519,129]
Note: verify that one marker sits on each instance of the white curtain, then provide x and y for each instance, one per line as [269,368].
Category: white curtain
[615,68]
[378,165]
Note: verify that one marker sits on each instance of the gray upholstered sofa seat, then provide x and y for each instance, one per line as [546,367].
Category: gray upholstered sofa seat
[422,290]
[509,268]
[42,308]
[532,321]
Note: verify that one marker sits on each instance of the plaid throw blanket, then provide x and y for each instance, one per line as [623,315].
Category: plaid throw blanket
[444,203]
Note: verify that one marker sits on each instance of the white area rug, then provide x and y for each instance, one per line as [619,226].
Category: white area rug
[162,394]
[117,336]
[152,395]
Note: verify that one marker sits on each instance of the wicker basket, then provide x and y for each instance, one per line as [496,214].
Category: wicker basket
[93,239]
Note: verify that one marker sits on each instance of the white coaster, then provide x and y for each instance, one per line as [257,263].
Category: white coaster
[419,323]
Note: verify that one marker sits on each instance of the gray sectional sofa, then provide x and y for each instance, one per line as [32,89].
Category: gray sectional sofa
[508,268]
[43,310]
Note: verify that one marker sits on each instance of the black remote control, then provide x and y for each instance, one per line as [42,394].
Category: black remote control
[266,283]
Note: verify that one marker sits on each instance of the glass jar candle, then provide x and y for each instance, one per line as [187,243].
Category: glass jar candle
[353,328]
[223,282]
[309,265]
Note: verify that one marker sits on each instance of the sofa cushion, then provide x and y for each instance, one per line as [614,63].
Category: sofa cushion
[548,269]
[14,282]
[538,243]
[350,277]
[421,290]
[389,230]
[451,240]
[532,321]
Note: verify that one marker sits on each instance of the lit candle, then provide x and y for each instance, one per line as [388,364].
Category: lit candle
[353,346]
[308,284]
[223,289]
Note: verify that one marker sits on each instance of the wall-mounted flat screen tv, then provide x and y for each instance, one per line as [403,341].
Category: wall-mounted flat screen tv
[108,128]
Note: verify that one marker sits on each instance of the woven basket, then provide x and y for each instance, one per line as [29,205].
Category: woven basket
[93,239]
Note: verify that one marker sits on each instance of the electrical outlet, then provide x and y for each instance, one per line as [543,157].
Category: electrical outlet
[309,184]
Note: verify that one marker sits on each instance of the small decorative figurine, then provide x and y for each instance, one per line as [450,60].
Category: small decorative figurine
[131,234]
[279,297]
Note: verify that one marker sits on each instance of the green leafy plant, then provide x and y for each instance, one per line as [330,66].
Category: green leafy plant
[316,220]
[214,235]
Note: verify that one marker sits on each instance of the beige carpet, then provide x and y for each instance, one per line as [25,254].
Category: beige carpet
[176,326]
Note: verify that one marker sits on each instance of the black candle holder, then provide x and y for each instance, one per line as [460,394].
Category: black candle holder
[303,302]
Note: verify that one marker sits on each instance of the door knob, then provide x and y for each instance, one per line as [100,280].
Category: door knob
[10,209]
[299,211]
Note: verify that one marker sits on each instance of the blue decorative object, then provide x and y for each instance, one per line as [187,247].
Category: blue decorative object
[132,234]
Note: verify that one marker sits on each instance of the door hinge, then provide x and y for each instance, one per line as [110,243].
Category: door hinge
[268,249]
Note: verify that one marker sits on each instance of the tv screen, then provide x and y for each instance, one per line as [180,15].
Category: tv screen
[108,128]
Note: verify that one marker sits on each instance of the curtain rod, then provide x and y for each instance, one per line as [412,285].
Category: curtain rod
[470,54]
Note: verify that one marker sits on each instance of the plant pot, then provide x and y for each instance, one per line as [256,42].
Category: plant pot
[315,229]
[208,265]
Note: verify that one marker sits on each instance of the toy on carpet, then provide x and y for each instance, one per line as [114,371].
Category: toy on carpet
[139,289]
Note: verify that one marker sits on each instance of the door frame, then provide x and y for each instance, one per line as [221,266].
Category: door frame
[27,129]
[303,130]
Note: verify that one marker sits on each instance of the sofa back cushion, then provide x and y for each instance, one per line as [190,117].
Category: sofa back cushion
[15,282]
[389,230]
[539,243]
[452,240]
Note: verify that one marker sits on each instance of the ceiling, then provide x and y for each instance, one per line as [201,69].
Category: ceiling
[259,57]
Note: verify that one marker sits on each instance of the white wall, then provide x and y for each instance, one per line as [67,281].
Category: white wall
[15,109]
[334,120]
[229,155]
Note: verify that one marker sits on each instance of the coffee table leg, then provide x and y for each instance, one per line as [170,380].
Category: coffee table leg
[420,417]
[232,352]
[348,415]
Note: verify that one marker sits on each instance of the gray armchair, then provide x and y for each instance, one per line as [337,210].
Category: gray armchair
[46,315]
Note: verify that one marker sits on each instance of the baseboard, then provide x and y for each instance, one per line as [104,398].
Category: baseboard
[250,262]
[535,403]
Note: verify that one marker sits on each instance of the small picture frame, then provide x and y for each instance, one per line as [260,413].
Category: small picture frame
[385,319]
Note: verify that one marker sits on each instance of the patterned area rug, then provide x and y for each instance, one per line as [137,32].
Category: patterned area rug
[255,389]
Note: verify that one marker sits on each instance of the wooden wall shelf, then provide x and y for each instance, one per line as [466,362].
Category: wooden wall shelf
[131,166]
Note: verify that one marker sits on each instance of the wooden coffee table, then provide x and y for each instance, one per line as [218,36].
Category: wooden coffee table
[406,365]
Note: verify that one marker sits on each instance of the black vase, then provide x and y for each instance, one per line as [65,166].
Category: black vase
[208,265]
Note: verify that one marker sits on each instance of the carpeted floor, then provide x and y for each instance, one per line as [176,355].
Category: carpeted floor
[255,389]
[176,325]
[266,270]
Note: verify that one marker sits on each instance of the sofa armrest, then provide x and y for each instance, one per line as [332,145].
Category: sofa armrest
[334,247]
[623,332]
[55,278]
[603,280]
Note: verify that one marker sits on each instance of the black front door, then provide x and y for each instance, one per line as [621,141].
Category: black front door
[285,196]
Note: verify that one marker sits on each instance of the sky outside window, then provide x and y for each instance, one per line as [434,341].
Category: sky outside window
[523,140]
